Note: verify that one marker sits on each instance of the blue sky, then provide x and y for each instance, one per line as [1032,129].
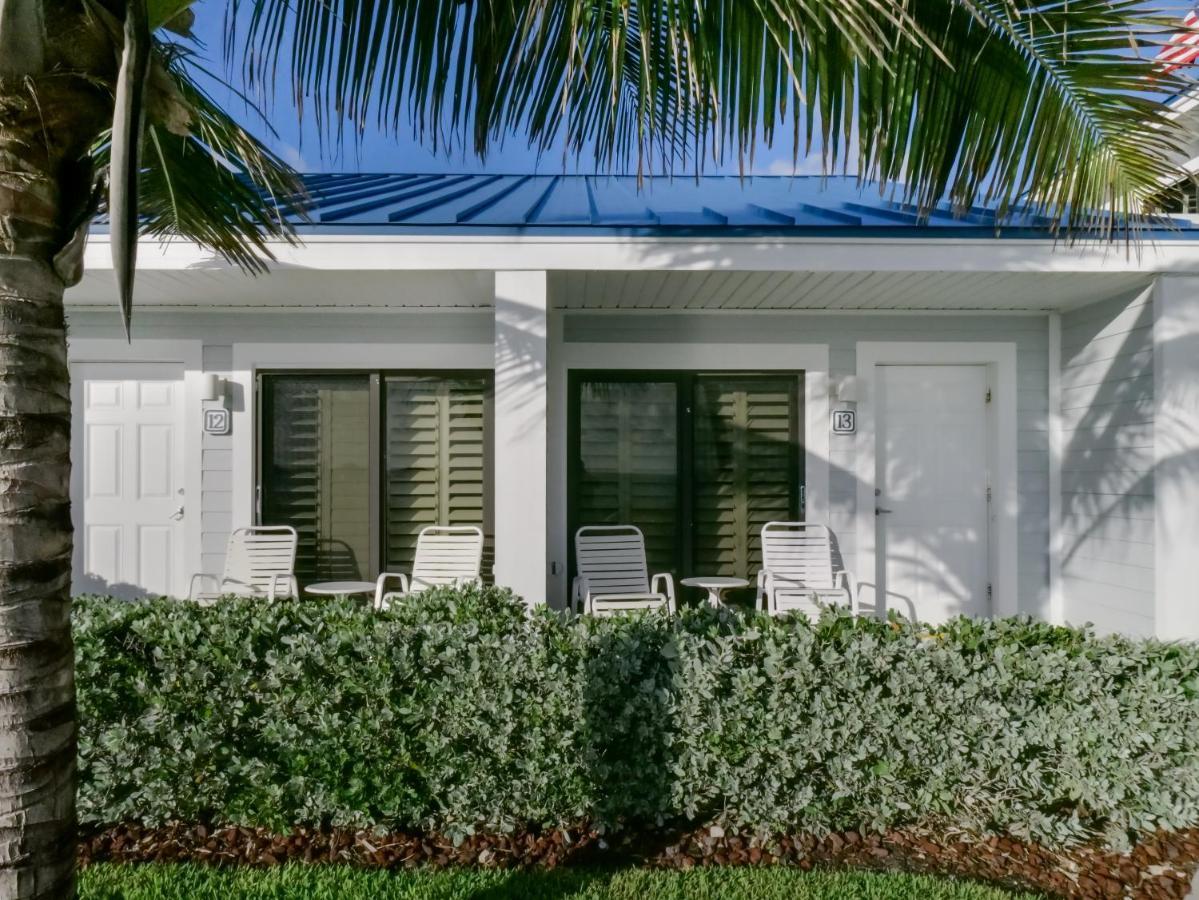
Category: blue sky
[378,152]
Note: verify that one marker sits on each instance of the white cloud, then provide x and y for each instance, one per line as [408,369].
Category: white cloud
[807,165]
[294,158]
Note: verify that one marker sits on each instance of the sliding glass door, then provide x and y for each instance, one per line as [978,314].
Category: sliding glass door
[627,441]
[316,470]
[699,462]
[359,463]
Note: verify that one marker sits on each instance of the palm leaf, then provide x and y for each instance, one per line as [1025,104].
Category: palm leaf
[1043,107]
[124,165]
[967,99]
[212,182]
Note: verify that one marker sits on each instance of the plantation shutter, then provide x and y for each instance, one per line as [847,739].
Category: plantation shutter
[744,465]
[316,471]
[628,462]
[435,461]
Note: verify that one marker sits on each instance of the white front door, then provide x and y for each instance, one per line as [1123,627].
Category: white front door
[127,488]
[932,480]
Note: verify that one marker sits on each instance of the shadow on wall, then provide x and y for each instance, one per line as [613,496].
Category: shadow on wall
[518,359]
[92,583]
[1109,471]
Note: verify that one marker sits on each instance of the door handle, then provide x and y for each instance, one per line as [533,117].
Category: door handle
[177,514]
[879,511]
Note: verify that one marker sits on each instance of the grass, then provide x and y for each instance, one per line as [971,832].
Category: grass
[177,882]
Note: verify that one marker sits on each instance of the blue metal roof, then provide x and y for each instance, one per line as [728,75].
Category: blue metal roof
[710,205]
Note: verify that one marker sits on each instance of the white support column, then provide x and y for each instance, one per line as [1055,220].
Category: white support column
[1176,455]
[521,407]
[1056,610]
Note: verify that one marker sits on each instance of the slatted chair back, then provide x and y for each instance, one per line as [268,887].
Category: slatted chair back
[612,559]
[799,558]
[260,558]
[447,555]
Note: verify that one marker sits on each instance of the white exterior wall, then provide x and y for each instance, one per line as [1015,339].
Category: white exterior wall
[1107,423]
[222,507]
[1176,456]
[216,479]
[841,334]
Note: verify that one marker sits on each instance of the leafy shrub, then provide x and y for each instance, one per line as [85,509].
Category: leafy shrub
[461,711]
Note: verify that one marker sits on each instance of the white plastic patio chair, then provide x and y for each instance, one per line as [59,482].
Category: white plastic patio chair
[445,555]
[259,562]
[798,571]
[612,573]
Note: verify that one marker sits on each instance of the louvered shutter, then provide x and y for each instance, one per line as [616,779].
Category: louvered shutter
[316,470]
[435,461]
[627,467]
[744,468]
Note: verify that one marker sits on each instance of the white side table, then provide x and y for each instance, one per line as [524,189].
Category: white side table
[715,586]
[340,589]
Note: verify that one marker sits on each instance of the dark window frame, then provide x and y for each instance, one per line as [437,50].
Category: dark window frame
[685,381]
[376,379]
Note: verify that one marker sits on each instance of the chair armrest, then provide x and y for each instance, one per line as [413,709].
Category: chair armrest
[381,585]
[667,579]
[580,593]
[201,576]
[851,588]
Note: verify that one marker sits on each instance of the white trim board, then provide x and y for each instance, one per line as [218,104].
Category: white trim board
[1001,357]
[189,354]
[249,358]
[598,252]
[812,359]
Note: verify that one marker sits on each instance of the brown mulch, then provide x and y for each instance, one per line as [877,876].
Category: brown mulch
[1159,868]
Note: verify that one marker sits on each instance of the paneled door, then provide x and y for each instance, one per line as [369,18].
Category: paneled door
[932,481]
[128,459]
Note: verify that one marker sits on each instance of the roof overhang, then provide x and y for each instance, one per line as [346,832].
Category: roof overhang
[368,272]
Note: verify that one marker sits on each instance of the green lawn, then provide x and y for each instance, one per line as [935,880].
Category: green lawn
[177,882]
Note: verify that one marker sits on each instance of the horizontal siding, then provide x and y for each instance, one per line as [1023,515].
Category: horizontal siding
[216,477]
[1107,465]
[842,333]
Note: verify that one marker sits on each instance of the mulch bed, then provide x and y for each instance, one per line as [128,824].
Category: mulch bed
[1160,868]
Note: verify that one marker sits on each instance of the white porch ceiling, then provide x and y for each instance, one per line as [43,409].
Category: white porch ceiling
[227,290]
[840,290]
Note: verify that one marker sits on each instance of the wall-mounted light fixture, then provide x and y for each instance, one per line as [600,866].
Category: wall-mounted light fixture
[845,389]
[214,387]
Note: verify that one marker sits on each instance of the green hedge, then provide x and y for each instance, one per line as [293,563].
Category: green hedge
[460,712]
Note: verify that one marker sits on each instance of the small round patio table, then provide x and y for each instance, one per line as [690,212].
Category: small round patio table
[715,586]
[340,589]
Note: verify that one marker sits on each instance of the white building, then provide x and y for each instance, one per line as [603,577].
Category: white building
[537,353]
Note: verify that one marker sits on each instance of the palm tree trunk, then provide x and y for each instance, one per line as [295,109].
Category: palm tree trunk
[37,689]
[48,123]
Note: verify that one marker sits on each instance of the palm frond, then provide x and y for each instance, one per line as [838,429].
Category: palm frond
[1043,104]
[1058,107]
[124,165]
[211,181]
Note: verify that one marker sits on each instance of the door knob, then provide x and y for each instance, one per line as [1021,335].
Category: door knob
[177,514]
[879,511]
